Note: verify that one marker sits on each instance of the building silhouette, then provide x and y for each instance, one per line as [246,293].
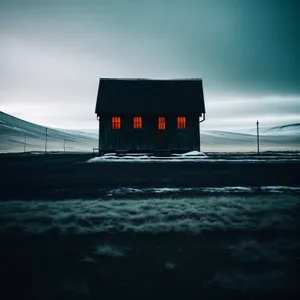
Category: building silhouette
[149,115]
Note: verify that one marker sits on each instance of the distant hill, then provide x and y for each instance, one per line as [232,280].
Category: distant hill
[13,130]
[290,129]
[271,139]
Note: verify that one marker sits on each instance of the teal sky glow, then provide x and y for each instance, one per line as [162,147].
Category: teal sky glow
[247,53]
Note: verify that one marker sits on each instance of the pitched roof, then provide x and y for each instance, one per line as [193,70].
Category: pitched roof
[150,96]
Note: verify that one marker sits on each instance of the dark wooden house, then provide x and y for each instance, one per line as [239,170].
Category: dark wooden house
[149,115]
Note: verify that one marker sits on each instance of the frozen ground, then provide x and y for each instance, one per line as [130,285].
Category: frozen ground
[197,156]
[291,129]
[209,247]
[13,130]
[276,211]
[82,176]
[226,227]
[188,156]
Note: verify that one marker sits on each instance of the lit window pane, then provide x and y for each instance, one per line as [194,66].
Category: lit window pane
[181,122]
[115,122]
[161,123]
[137,122]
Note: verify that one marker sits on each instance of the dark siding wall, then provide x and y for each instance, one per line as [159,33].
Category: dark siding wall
[100,135]
[147,138]
[185,139]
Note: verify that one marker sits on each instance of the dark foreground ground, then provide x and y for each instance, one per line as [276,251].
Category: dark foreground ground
[206,247]
[70,176]
[149,230]
[163,266]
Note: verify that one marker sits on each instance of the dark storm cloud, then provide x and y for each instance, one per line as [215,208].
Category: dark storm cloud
[252,48]
[55,51]
[249,46]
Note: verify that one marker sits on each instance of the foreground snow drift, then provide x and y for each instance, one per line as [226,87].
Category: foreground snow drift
[182,191]
[230,213]
[193,155]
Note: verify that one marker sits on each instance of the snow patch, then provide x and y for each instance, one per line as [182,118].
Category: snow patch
[194,153]
[280,250]
[186,215]
[108,251]
[280,188]
[190,156]
[171,265]
[129,191]
[87,259]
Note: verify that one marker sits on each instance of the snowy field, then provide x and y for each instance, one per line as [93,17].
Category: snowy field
[206,225]
[56,177]
[239,246]
[14,132]
[269,211]
[197,156]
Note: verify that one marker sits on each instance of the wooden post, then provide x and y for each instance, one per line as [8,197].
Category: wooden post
[257,135]
[46,140]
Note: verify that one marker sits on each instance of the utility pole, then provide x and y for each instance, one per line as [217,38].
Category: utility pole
[257,135]
[46,140]
[25,143]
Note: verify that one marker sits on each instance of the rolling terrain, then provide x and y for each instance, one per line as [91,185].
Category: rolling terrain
[13,131]
[76,226]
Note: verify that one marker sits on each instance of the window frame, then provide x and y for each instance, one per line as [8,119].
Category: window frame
[115,123]
[181,122]
[137,122]
[161,123]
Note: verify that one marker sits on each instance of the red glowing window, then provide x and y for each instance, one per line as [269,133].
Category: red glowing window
[181,122]
[115,122]
[161,123]
[137,122]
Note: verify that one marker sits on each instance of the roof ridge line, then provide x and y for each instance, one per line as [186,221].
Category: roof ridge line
[160,79]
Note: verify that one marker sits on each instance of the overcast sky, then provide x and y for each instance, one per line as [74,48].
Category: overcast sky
[247,53]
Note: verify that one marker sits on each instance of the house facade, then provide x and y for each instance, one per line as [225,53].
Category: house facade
[148,115]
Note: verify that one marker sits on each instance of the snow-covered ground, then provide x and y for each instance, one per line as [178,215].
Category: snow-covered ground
[246,140]
[189,156]
[13,130]
[245,213]
[167,191]
[196,156]
[290,129]
[211,247]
